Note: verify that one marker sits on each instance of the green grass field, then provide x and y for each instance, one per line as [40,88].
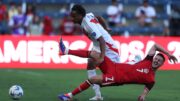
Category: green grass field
[45,85]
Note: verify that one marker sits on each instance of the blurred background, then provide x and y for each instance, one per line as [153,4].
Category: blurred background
[30,31]
[124,17]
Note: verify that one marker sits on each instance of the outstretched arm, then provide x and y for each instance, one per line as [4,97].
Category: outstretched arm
[147,88]
[157,47]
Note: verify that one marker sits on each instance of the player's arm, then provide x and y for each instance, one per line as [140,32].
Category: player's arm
[103,23]
[157,47]
[99,57]
[147,88]
[102,48]
[97,35]
[101,39]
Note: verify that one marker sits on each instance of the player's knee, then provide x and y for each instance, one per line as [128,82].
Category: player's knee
[95,80]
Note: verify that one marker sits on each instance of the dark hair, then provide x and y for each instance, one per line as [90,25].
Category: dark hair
[79,9]
[160,54]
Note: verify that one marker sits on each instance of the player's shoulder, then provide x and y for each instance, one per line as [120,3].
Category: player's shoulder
[88,19]
[88,16]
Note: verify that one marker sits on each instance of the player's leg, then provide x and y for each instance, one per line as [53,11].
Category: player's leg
[83,86]
[90,67]
[91,71]
[65,51]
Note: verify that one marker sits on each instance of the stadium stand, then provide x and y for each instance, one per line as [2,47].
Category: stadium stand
[52,8]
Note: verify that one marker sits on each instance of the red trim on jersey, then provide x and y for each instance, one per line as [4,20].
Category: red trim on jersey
[110,47]
[94,21]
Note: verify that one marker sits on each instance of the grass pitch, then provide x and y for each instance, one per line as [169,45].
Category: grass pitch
[45,85]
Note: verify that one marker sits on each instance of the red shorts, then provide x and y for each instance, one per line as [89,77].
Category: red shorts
[109,72]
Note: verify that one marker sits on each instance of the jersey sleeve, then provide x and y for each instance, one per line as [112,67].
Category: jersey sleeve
[91,26]
[149,86]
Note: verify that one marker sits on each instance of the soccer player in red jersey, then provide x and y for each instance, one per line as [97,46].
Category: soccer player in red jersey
[114,74]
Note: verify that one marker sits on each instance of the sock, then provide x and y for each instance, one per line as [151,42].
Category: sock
[85,85]
[70,95]
[80,53]
[95,87]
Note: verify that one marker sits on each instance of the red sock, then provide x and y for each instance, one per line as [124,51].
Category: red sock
[85,85]
[80,53]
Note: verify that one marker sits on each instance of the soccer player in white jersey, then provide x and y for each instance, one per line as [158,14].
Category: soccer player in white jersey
[94,28]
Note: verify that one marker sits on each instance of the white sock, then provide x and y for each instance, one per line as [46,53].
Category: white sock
[66,51]
[95,87]
[70,94]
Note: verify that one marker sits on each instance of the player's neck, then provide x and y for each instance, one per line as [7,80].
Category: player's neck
[154,69]
[80,22]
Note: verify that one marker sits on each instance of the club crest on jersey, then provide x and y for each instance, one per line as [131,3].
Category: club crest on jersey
[93,34]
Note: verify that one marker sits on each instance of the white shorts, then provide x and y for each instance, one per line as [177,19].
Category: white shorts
[112,55]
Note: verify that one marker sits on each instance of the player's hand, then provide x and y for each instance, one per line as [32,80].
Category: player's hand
[141,98]
[172,58]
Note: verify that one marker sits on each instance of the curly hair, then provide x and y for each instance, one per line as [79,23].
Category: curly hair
[79,9]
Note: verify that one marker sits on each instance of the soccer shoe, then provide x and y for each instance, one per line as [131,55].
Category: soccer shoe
[63,48]
[96,98]
[64,97]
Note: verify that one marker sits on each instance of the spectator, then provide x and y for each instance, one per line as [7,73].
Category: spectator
[3,17]
[175,20]
[145,14]
[115,14]
[67,27]
[19,23]
[64,9]
[12,10]
[166,31]
[30,12]
[47,26]
[36,27]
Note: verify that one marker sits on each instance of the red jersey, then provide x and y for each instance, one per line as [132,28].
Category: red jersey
[139,73]
[2,12]
[67,26]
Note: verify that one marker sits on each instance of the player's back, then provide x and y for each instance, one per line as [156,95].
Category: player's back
[93,29]
[139,73]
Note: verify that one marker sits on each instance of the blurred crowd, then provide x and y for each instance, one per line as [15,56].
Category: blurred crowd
[22,19]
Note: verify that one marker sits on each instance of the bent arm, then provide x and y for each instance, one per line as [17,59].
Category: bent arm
[102,48]
[103,22]
[147,88]
[157,47]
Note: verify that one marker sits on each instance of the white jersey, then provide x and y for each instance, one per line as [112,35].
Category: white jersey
[94,30]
